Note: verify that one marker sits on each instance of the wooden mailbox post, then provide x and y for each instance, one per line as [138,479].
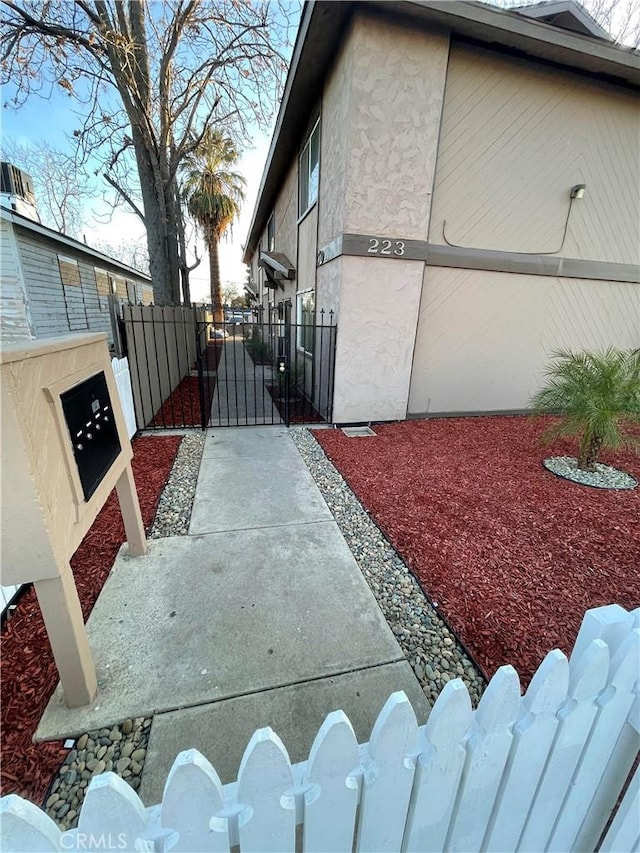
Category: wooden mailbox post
[64,448]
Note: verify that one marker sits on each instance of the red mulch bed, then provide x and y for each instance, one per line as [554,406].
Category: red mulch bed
[512,554]
[27,669]
[182,407]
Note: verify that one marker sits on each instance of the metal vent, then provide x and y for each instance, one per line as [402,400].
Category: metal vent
[358,432]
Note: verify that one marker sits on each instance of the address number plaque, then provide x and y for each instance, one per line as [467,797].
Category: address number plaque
[375,246]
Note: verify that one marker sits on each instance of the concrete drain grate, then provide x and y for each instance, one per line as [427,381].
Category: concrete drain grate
[358,432]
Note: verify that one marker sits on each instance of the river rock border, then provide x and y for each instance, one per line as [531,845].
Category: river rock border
[431,648]
[122,748]
[602,476]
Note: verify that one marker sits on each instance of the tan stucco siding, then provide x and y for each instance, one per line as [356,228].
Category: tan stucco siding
[286,215]
[376,330]
[484,338]
[515,138]
[394,113]
[329,283]
[307,239]
[334,146]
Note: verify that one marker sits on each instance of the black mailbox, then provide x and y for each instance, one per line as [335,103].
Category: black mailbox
[94,436]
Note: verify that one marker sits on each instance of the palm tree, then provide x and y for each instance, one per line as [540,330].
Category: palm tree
[597,396]
[213,194]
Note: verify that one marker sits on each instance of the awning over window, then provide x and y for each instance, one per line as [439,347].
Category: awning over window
[277,267]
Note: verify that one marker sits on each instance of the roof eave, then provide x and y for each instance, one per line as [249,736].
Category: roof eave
[30,225]
[319,36]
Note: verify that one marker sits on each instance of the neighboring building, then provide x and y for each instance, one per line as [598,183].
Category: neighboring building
[460,184]
[51,284]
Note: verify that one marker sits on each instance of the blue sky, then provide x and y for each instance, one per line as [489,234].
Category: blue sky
[54,119]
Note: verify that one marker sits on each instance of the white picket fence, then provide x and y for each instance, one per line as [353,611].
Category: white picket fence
[123,381]
[536,772]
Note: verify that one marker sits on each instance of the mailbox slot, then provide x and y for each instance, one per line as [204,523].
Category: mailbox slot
[92,429]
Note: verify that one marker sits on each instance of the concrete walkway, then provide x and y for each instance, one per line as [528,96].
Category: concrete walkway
[260,616]
[240,397]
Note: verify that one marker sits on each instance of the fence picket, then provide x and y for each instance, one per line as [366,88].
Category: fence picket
[331,802]
[267,823]
[624,832]
[438,770]
[488,748]
[618,768]
[615,704]
[191,804]
[25,828]
[113,812]
[553,763]
[588,675]
[620,763]
[610,623]
[122,376]
[388,777]
[112,806]
[533,737]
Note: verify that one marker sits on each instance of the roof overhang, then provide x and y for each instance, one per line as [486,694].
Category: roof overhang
[62,240]
[278,268]
[566,14]
[278,264]
[324,23]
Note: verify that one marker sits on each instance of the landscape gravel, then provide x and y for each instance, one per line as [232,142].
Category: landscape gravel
[603,477]
[431,648]
[122,748]
[174,510]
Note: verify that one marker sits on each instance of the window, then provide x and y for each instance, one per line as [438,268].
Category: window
[69,271]
[309,171]
[102,281]
[306,307]
[271,234]
[119,287]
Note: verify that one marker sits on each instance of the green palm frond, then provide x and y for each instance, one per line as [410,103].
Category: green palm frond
[596,394]
[213,192]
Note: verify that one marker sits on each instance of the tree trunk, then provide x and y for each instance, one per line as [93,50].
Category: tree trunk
[214,275]
[161,231]
[588,454]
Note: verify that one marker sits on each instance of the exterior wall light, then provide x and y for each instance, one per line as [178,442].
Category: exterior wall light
[578,191]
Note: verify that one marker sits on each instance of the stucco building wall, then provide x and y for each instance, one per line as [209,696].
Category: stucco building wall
[389,107]
[286,215]
[334,145]
[397,86]
[378,314]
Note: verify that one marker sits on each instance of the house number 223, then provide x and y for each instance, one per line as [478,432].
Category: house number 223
[385,247]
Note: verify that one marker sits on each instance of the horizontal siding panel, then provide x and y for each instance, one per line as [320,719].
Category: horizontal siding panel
[14,322]
[57,310]
[515,138]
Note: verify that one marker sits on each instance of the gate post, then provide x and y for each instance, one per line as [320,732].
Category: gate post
[203,415]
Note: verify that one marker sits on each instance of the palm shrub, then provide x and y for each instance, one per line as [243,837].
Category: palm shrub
[597,395]
[214,193]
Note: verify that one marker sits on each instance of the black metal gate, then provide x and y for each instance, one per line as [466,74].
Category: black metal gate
[190,371]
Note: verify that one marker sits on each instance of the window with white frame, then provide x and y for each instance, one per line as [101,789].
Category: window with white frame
[271,234]
[305,315]
[309,171]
